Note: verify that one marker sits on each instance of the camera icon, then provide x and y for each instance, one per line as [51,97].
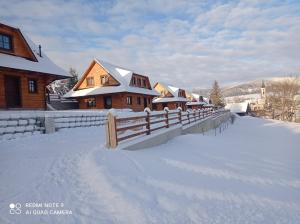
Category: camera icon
[15,208]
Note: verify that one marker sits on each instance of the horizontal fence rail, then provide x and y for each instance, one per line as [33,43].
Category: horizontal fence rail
[125,127]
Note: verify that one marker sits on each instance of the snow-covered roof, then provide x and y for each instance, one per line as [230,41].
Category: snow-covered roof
[122,75]
[169,99]
[196,99]
[196,96]
[43,64]
[237,107]
[196,103]
[172,89]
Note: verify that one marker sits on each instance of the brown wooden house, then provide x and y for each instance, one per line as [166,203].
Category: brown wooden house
[195,101]
[105,86]
[170,96]
[25,71]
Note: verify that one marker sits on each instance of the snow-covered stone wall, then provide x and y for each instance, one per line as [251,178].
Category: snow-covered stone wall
[15,124]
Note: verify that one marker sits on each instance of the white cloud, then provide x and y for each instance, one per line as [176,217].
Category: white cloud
[188,43]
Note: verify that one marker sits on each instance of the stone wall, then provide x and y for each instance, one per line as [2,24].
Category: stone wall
[15,124]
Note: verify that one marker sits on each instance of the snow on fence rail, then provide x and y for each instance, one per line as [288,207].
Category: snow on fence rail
[127,126]
[14,124]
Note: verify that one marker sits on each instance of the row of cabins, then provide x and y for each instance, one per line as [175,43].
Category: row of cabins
[25,71]
[105,86]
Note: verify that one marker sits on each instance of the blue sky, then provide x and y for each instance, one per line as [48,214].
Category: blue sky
[186,43]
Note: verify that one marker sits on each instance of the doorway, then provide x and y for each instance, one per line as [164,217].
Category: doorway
[145,102]
[12,91]
[107,102]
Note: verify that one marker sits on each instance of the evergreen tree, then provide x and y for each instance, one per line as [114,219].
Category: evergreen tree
[216,95]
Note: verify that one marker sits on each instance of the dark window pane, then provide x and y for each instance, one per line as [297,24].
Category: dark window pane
[5,42]
[32,86]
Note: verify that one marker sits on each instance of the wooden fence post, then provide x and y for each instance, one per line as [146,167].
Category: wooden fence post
[179,116]
[195,116]
[167,116]
[188,115]
[148,123]
[111,131]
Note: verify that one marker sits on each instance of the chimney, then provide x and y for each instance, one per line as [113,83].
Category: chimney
[40,50]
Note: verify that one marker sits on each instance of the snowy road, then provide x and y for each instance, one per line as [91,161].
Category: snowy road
[248,174]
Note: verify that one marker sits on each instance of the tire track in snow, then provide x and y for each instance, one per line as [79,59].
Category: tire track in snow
[229,197]
[207,171]
[121,211]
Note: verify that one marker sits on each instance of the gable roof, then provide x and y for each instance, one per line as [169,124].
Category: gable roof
[42,64]
[172,89]
[238,107]
[122,75]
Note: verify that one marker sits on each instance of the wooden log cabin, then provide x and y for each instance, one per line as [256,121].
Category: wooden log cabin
[170,96]
[25,71]
[105,86]
[195,101]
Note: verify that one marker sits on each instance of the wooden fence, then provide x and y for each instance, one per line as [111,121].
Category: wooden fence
[121,128]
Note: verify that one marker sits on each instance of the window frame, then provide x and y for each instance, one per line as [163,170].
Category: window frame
[105,77]
[134,81]
[35,85]
[87,81]
[139,82]
[129,100]
[10,39]
[89,104]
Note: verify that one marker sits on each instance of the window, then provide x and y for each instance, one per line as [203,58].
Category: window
[32,86]
[91,102]
[104,80]
[129,100]
[134,81]
[149,101]
[180,93]
[139,82]
[5,42]
[144,82]
[90,81]
[139,100]
[108,102]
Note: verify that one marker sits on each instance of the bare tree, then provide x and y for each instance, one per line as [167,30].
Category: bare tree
[74,79]
[280,100]
[62,86]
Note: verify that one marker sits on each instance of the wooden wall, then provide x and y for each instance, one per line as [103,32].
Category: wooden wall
[96,71]
[118,101]
[28,100]
[141,77]
[170,105]
[2,92]
[20,47]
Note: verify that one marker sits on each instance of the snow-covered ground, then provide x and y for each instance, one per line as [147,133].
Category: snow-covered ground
[248,174]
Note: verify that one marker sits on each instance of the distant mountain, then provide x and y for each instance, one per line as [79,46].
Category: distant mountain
[250,87]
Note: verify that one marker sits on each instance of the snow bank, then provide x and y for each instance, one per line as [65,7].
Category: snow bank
[248,174]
